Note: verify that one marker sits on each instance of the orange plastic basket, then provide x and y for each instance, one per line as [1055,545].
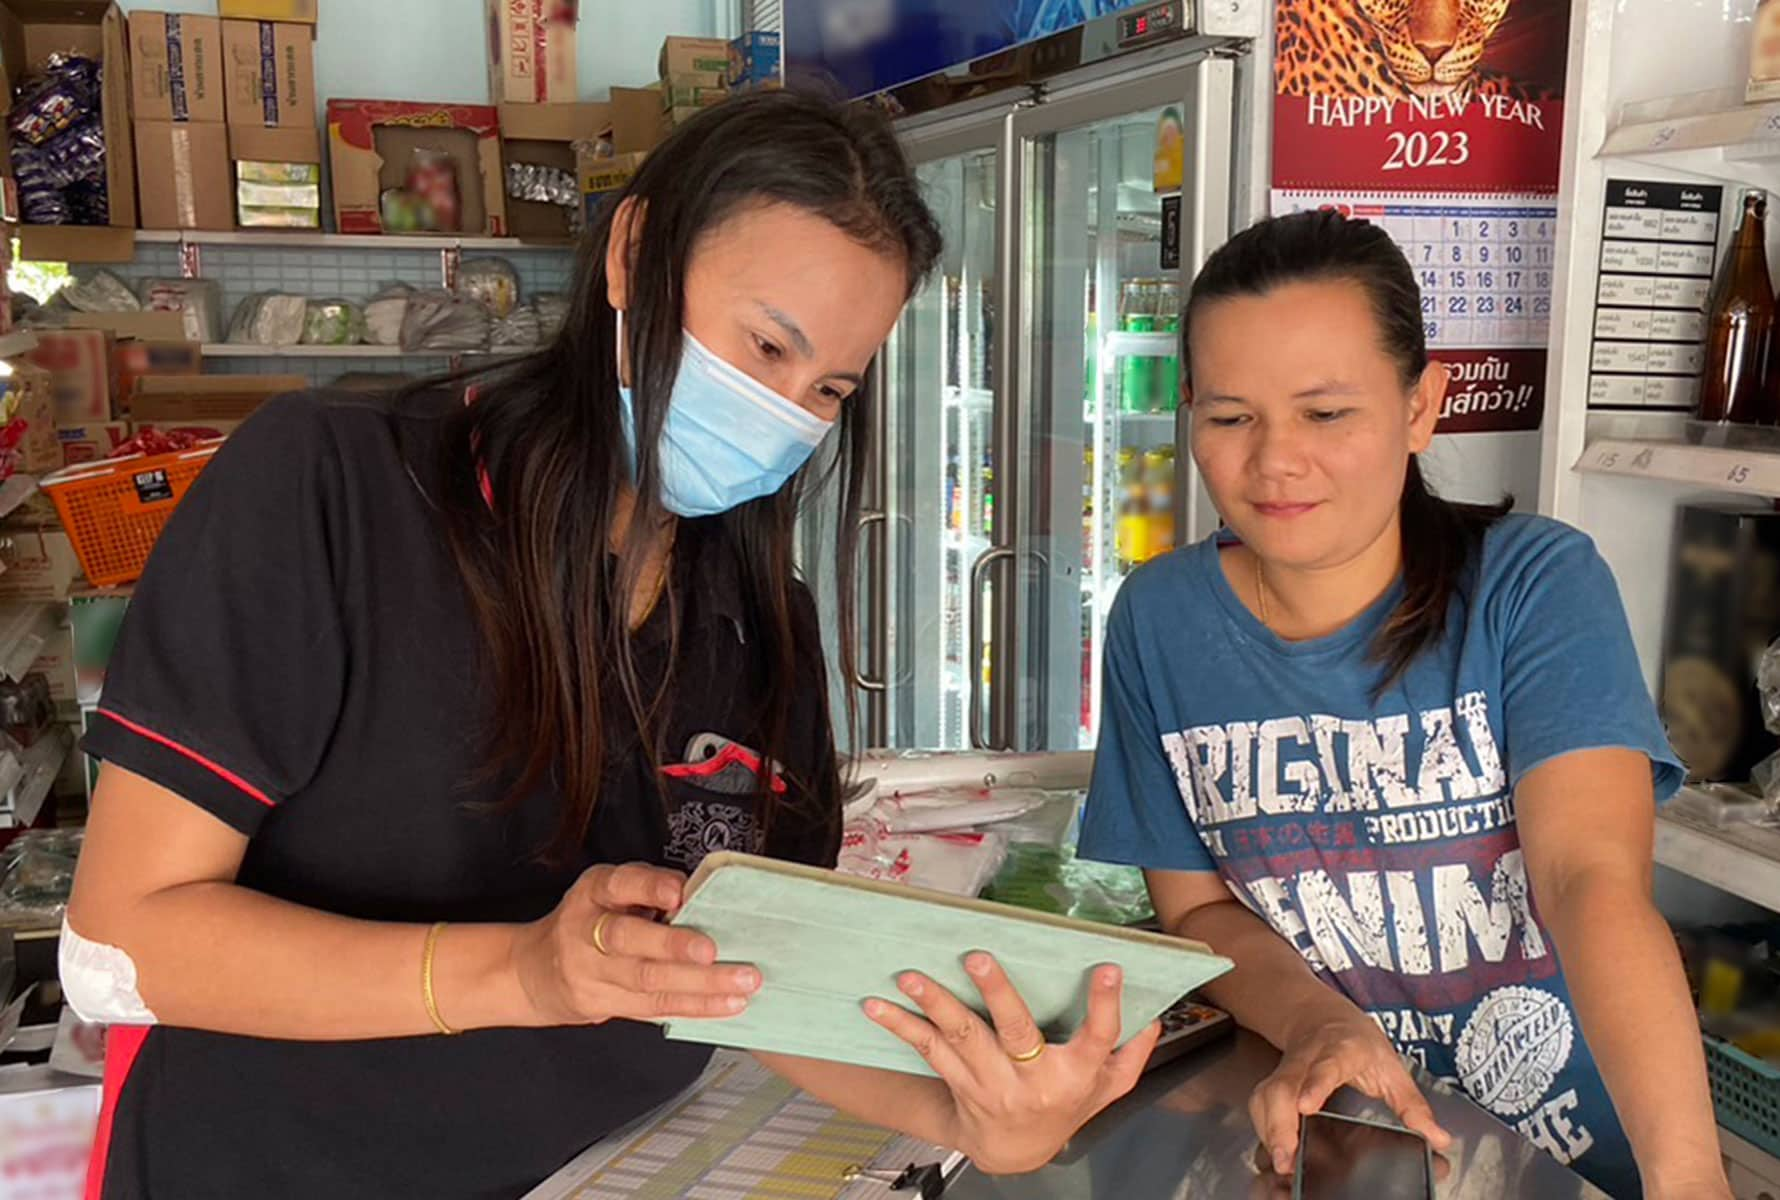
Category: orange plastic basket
[113,510]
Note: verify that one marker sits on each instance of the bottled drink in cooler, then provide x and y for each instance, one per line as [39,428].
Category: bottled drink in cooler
[1088,538]
[1740,326]
[1133,531]
[1137,314]
[1158,485]
[1167,373]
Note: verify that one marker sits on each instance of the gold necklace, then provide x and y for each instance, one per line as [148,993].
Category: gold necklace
[1261,592]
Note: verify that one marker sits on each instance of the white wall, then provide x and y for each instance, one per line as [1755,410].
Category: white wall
[436,49]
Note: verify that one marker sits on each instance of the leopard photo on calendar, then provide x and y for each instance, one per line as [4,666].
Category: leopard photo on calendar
[1447,50]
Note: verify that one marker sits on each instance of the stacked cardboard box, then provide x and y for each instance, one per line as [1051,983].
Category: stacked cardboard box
[274,141]
[182,143]
[694,76]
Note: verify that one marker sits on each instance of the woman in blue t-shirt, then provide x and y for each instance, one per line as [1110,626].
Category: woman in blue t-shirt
[1394,755]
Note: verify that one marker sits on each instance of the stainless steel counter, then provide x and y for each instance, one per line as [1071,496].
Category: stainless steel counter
[1185,1133]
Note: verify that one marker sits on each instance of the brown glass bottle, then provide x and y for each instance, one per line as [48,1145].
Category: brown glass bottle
[1740,326]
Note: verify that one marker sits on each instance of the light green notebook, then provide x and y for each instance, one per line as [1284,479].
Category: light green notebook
[825,942]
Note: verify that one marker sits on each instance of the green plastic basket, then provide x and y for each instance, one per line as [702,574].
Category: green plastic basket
[1746,1094]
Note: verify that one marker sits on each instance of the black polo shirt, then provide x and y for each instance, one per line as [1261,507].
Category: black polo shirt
[301,661]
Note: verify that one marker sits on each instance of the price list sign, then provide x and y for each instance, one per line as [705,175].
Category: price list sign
[1658,250]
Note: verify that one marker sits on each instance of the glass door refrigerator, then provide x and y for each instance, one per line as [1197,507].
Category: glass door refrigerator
[1029,429]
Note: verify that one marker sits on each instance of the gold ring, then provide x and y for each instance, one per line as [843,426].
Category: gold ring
[1031,1055]
[599,933]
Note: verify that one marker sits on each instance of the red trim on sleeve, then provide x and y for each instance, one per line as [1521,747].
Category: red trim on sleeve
[220,772]
[122,1045]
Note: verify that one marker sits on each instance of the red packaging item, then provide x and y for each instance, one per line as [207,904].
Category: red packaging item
[80,366]
[372,144]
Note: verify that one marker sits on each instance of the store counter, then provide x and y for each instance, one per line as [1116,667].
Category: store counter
[1185,1132]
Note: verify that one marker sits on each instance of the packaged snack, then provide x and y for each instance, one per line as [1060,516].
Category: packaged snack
[385,313]
[333,323]
[491,281]
[444,321]
[198,301]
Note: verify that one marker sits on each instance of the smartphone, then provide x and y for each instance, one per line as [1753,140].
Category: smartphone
[1345,1158]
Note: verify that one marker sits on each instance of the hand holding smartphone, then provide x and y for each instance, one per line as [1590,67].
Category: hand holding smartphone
[1345,1158]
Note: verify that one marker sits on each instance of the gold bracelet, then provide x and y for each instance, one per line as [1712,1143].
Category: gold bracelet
[426,980]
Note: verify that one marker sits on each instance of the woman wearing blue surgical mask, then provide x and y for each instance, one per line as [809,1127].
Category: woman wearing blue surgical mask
[426,705]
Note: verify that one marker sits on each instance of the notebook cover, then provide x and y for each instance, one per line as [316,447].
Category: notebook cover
[825,942]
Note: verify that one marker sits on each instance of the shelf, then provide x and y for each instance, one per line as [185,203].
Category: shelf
[306,240]
[1141,345]
[1754,472]
[1708,133]
[1743,860]
[973,398]
[240,350]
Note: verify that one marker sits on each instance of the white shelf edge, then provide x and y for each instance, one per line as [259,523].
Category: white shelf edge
[240,350]
[1749,471]
[1675,125]
[271,240]
[1743,860]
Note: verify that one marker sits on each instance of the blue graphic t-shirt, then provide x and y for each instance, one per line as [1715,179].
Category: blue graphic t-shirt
[1377,834]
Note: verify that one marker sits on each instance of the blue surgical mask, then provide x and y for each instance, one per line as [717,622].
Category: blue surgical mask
[727,438]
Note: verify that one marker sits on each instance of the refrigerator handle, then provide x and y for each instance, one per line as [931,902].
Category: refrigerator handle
[979,573]
[878,572]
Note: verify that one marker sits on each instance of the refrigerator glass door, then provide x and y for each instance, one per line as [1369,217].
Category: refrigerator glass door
[1102,483]
[938,471]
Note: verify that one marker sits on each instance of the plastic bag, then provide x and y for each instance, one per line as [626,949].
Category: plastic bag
[333,323]
[517,332]
[58,144]
[100,292]
[553,314]
[445,321]
[270,319]
[491,281]
[384,314]
[198,301]
[37,872]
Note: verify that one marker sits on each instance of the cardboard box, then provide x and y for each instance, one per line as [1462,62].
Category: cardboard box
[545,135]
[686,55]
[602,173]
[185,175]
[43,568]
[636,119]
[373,143]
[79,363]
[30,33]
[531,53]
[301,11]
[673,118]
[148,325]
[754,61]
[176,67]
[693,91]
[90,443]
[163,399]
[269,74]
[135,361]
[34,400]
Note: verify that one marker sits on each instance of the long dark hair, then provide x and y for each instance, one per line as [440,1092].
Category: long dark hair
[545,439]
[1440,537]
